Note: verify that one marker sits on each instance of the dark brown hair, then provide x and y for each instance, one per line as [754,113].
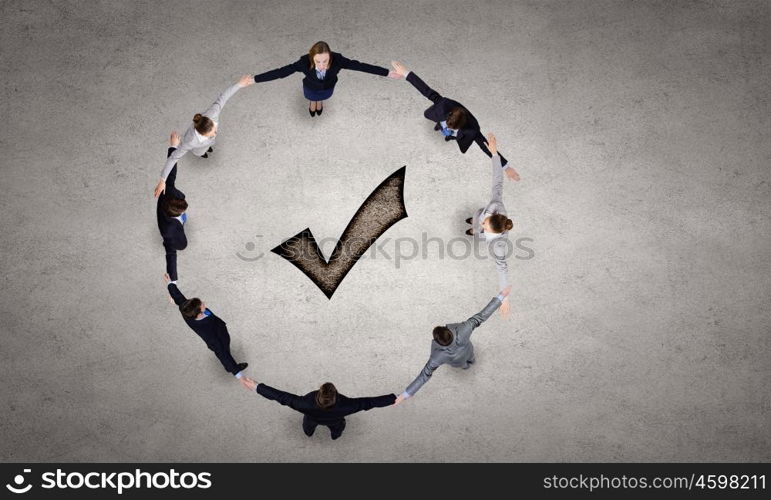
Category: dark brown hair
[319,48]
[442,335]
[191,307]
[174,207]
[456,118]
[203,124]
[500,223]
[326,396]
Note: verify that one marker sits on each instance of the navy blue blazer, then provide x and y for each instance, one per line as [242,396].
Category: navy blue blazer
[442,106]
[338,61]
[212,329]
[306,405]
[172,230]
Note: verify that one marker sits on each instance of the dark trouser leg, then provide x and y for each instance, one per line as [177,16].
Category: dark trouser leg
[309,426]
[337,429]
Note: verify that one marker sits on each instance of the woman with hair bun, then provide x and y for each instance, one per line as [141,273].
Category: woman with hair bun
[200,136]
[492,224]
[320,67]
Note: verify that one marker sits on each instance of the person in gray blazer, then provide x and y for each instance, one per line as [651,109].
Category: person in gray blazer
[452,345]
[199,137]
[491,223]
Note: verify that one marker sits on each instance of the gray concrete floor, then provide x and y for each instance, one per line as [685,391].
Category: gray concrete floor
[639,330]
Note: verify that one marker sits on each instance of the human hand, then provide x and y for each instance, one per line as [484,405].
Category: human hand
[505,307]
[160,188]
[399,68]
[394,75]
[174,139]
[166,278]
[505,292]
[248,383]
[511,173]
[492,144]
[399,399]
[246,80]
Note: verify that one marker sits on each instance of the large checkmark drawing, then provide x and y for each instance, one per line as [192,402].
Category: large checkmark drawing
[381,210]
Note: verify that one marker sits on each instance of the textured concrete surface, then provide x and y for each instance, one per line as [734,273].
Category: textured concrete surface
[639,329]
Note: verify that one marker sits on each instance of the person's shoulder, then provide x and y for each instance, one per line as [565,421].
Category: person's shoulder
[337,57]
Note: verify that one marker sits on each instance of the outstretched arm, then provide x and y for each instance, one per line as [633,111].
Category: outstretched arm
[174,292]
[364,404]
[215,109]
[171,263]
[490,148]
[428,92]
[171,188]
[496,193]
[281,72]
[285,398]
[483,315]
[422,378]
[173,154]
[355,65]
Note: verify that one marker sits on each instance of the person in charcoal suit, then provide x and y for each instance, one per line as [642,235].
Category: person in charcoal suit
[209,327]
[451,118]
[202,134]
[320,67]
[452,345]
[171,214]
[325,406]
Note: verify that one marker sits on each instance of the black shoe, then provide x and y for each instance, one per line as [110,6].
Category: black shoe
[470,232]
[449,138]
[437,126]
[205,155]
[319,111]
[241,367]
[312,113]
[468,221]
[211,150]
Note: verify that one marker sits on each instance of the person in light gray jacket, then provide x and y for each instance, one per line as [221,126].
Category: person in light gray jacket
[199,137]
[492,224]
[452,345]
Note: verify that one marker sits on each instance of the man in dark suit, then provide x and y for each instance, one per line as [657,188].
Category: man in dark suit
[209,327]
[171,215]
[323,407]
[452,119]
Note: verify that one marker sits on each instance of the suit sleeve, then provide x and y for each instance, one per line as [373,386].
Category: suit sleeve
[215,109]
[281,72]
[364,404]
[496,193]
[499,249]
[179,299]
[285,398]
[482,143]
[423,377]
[171,259]
[482,316]
[355,65]
[172,157]
[171,187]
[424,89]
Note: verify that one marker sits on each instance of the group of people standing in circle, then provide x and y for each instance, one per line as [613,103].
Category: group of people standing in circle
[451,343]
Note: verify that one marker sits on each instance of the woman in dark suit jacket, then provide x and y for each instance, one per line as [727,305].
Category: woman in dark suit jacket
[320,67]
